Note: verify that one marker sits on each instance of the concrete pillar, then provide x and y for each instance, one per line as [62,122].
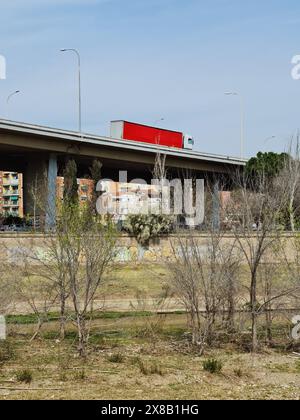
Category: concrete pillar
[39,190]
[51,193]
[34,185]
[216,223]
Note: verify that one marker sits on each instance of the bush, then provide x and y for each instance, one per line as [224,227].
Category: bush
[212,366]
[156,369]
[238,372]
[143,368]
[80,375]
[63,376]
[148,226]
[116,358]
[150,369]
[6,351]
[24,376]
[14,220]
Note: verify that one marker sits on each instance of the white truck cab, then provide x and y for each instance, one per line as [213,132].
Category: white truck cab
[188,142]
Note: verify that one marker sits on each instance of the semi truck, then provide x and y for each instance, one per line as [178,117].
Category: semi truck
[126,130]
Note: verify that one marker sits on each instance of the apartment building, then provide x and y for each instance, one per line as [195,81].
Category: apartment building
[122,199]
[11,194]
[85,189]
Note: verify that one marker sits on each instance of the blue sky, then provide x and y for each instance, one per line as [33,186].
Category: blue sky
[147,59]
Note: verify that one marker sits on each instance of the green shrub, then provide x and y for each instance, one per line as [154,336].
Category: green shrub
[297,365]
[63,376]
[156,369]
[80,375]
[25,376]
[238,372]
[153,368]
[116,358]
[143,367]
[212,366]
[6,351]
[148,226]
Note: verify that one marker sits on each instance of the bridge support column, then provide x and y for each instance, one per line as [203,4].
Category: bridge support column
[40,190]
[216,208]
[51,193]
[35,174]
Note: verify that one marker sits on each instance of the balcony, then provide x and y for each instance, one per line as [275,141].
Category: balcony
[10,193]
[11,213]
[8,204]
[10,182]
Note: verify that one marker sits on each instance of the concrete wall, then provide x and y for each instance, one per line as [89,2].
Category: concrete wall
[128,250]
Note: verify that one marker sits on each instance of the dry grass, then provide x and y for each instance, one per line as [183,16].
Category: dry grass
[127,280]
[129,359]
[159,369]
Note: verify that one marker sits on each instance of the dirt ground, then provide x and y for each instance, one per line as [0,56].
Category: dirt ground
[129,366]
[134,357]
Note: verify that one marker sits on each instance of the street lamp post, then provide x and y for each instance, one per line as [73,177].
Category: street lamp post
[16,92]
[155,125]
[79,85]
[158,121]
[242,139]
[267,140]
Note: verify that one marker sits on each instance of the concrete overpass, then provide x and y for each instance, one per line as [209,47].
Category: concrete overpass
[39,151]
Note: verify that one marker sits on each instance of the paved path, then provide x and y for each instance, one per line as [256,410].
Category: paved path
[114,305]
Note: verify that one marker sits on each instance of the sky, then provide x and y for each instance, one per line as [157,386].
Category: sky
[143,60]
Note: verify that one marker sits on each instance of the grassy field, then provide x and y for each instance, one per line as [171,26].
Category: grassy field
[127,361]
[138,355]
[125,281]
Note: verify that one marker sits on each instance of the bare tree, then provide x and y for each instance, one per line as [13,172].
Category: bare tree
[230,258]
[39,195]
[290,261]
[159,173]
[159,170]
[290,176]
[7,291]
[89,248]
[95,173]
[36,292]
[258,205]
[52,268]
[274,286]
[70,268]
[200,273]
[76,256]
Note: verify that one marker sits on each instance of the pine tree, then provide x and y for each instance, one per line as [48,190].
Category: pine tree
[70,183]
[95,171]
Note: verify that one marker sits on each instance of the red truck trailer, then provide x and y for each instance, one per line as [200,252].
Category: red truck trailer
[146,134]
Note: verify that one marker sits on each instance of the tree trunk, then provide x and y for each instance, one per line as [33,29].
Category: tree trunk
[82,335]
[62,318]
[254,333]
[292,216]
[38,329]
[268,310]
[231,307]
[253,305]
[269,326]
